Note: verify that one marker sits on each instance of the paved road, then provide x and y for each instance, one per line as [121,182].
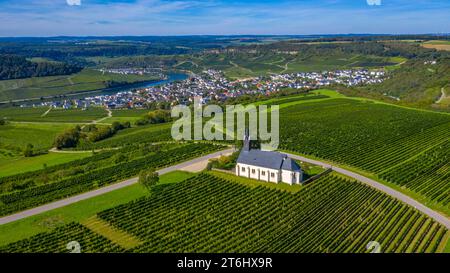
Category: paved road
[113,187]
[398,195]
[377,185]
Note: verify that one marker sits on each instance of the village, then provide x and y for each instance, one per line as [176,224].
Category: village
[212,85]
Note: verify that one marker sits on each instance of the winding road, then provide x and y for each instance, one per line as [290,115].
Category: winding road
[377,185]
[370,182]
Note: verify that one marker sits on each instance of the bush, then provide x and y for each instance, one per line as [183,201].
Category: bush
[68,139]
[117,126]
[100,134]
[28,151]
[155,117]
[224,162]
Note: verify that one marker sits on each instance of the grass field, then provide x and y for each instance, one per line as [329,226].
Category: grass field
[86,80]
[207,213]
[32,189]
[40,114]
[15,136]
[28,164]
[439,45]
[80,211]
[130,115]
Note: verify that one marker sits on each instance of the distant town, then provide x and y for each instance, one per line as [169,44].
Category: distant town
[213,85]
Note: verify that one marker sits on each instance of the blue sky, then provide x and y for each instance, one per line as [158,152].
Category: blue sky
[186,17]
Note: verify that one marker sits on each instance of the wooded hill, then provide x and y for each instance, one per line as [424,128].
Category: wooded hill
[17,67]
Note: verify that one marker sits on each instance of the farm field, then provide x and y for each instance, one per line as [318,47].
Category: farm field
[28,164]
[42,114]
[368,136]
[130,115]
[439,45]
[195,216]
[80,211]
[31,189]
[15,136]
[427,174]
[56,241]
[237,66]
[84,81]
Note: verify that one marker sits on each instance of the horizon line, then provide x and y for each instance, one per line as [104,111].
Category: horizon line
[233,35]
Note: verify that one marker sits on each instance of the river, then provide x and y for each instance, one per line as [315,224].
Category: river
[171,77]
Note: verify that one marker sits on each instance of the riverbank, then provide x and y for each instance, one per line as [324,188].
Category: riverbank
[171,77]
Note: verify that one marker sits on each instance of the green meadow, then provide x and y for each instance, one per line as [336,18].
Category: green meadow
[18,165]
[123,115]
[43,114]
[15,136]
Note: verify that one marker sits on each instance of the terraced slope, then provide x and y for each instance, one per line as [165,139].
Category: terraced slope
[374,138]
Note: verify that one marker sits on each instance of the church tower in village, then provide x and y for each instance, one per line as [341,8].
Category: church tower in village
[246,147]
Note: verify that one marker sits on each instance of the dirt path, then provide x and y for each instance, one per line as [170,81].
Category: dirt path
[46,112]
[102,119]
[286,66]
[70,80]
[240,67]
[99,121]
[54,150]
[443,95]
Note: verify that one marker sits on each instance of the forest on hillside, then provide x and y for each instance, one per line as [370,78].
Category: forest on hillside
[17,67]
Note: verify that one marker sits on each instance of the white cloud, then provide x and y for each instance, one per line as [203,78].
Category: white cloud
[374,2]
[73,2]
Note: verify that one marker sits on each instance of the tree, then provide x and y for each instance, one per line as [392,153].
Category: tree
[155,117]
[28,151]
[148,178]
[68,138]
[116,126]
[210,166]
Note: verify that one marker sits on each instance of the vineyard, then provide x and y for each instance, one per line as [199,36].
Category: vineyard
[211,214]
[372,137]
[428,174]
[36,188]
[57,240]
[40,114]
